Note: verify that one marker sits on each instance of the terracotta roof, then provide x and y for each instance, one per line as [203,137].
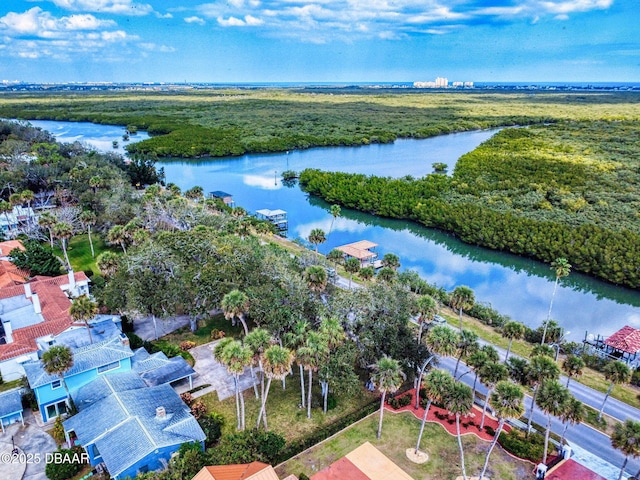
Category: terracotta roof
[627,339]
[39,280]
[6,247]
[11,275]
[249,471]
[339,470]
[359,250]
[570,470]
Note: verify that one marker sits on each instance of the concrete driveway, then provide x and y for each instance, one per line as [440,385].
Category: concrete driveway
[212,373]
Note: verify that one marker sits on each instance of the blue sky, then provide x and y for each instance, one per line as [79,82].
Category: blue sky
[319,41]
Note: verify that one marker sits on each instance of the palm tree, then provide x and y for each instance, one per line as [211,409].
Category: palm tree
[236,304]
[84,309]
[491,374]
[236,357]
[316,237]
[335,213]
[441,341]
[367,273]
[539,370]
[573,413]
[47,221]
[467,344]
[462,298]
[316,277]
[27,197]
[335,256]
[562,268]
[476,361]
[108,262]
[351,265]
[437,384]
[546,350]
[391,260]
[58,360]
[277,364]
[513,331]
[626,438]
[258,340]
[6,208]
[314,350]
[506,402]
[334,335]
[427,309]
[95,182]
[616,373]
[387,377]
[63,231]
[295,339]
[118,235]
[459,401]
[387,274]
[572,367]
[88,218]
[552,399]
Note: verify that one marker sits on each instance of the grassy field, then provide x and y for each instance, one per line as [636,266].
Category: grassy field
[79,251]
[203,334]
[284,416]
[398,434]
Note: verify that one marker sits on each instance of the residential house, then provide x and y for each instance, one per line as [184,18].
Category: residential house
[31,314]
[89,362]
[156,369]
[130,427]
[247,471]
[10,408]
[362,251]
[226,198]
[18,216]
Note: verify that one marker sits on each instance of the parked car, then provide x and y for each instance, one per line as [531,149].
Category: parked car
[438,320]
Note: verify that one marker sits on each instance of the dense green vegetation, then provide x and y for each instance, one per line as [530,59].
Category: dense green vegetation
[563,190]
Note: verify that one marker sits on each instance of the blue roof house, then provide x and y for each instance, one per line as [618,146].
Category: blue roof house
[130,427]
[10,408]
[89,362]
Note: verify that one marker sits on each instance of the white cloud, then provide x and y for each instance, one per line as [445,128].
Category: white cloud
[571,6]
[36,22]
[249,20]
[120,7]
[195,19]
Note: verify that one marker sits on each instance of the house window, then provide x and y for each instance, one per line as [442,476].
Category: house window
[143,469]
[94,451]
[56,409]
[109,366]
[56,384]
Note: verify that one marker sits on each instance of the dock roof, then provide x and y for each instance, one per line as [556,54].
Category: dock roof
[359,250]
[627,339]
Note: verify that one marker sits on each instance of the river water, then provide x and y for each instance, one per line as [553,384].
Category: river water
[519,287]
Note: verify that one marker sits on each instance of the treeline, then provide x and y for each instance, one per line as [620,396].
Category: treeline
[482,204]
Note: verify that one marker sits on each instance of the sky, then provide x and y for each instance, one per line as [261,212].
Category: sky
[244,41]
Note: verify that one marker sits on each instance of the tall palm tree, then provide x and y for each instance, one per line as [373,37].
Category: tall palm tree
[234,305]
[334,335]
[462,298]
[88,219]
[476,361]
[47,221]
[562,268]
[459,401]
[441,341]
[316,237]
[573,413]
[387,377]
[28,197]
[6,208]
[506,402]
[118,235]
[58,360]
[513,331]
[84,309]
[552,399]
[63,231]
[277,364]
[427,309]
[616,373]
[258,340]
[391,260]
[539,370]
[626,438]
[95,182]
[108,262]
[572,366]
[467,344]
[335,256]
[314,350]
[294,340]
[236,357]
[491,374]
[352,265]
[437,384]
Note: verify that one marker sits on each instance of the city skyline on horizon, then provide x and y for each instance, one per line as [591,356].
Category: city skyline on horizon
[320,41]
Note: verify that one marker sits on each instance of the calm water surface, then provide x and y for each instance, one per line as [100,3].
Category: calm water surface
[515,286]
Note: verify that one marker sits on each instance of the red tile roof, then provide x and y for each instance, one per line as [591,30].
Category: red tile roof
[572,470]
[340,470]
[231,472]
[6,247]
[627,339]
[55,307]
[11,275]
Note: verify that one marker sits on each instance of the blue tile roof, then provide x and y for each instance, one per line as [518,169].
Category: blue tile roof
[104,386]
[157,369]
[10,402]
[84,359]
[124,426]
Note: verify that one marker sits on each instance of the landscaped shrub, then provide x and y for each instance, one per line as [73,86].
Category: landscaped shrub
[332,402]
[187,345]
[216,334]
[212,427]
[198,409]
[64,466]
[134,340]
[187,398]
[399,402]
[58,430]
[528,448]
[490,430]
[248,446]
[302,476]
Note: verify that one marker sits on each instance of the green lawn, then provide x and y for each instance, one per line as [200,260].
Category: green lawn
[79,251]
[283,414]
[203,334]
[399,433]
[4,386]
